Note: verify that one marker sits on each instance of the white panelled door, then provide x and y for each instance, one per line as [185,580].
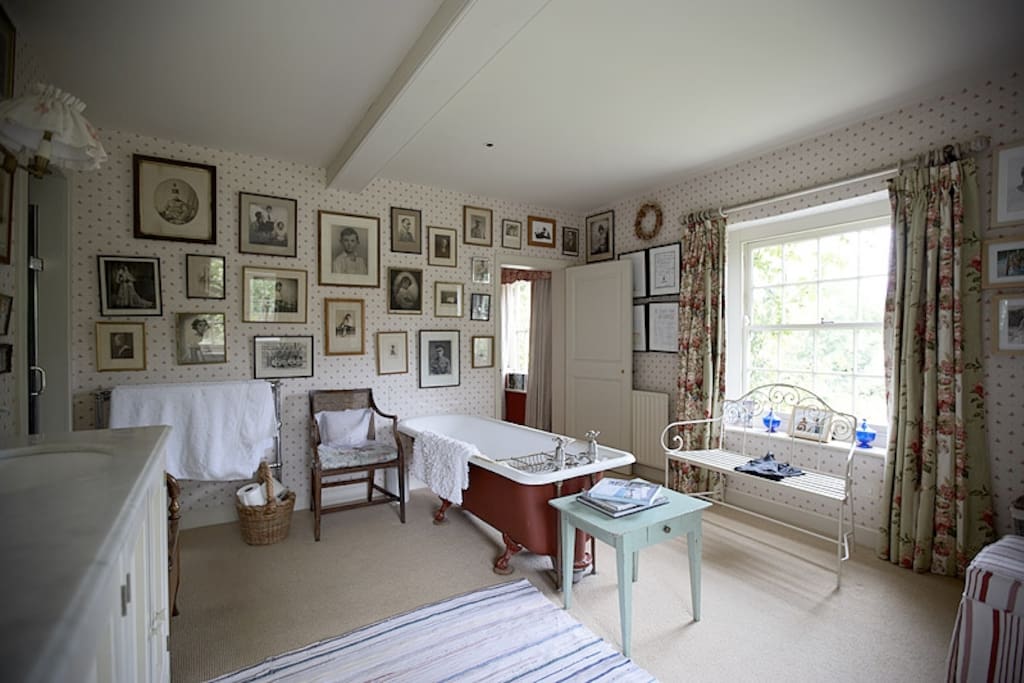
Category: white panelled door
[599,352]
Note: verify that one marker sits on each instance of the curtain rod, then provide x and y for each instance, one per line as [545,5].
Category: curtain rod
[979,144]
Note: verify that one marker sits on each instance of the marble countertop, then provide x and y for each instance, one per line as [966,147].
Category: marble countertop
[66,507]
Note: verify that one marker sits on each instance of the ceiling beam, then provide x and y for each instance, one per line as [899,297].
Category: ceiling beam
[459,41]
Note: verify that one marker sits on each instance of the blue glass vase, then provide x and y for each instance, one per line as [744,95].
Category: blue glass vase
[865,435]
[771,423]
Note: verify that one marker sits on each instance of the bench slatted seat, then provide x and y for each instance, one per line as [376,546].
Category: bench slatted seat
[739,416]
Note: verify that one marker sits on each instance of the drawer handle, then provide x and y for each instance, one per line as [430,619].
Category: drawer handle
[667,529]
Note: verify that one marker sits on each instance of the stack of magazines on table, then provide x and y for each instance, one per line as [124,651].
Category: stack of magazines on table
[619,497]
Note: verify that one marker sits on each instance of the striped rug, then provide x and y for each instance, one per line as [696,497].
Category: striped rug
[508,632]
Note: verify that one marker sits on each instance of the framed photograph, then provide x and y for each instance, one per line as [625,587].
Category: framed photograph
[448,299]
[204,276]
[663,270]
[392,353]
[266,224]
[540,232]
[174,200]
[405,290]
[1009,323]
[570,241]
[511,234]
[640,327]
[349,249]
[406,231]
[6,212]
[1008,193]
[344,327]
[281,357]
[1003,263]
[273,295]
[439,358]
[663,327]
[476,226]
[8,37]
[483,352]
[120,346]
[479,306]
[129,285]
[200,338]
[481,270]
[6,306]
[601,236]
[811,423]
[639,260]
[442,248]
[6,358]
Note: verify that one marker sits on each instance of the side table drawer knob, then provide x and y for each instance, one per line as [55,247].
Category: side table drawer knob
[667,529]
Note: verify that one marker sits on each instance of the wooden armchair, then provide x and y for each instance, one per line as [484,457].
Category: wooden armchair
[336,457]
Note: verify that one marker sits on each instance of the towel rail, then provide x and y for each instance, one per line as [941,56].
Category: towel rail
[102,418]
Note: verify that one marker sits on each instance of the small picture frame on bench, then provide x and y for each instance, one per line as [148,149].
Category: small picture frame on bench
[811,423]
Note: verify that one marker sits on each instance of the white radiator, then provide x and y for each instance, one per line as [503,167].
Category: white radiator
[650,415]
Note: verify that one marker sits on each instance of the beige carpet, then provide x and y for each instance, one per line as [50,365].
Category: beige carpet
[768,614]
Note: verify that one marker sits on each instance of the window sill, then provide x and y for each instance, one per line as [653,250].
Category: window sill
[838,446]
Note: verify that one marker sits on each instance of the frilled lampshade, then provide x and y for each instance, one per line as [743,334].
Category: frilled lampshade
[46,127]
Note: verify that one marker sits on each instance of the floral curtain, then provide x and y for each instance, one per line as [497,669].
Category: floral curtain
[701,382]
[937,487]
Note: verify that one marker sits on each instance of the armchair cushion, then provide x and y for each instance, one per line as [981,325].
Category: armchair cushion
[344,428]
[371,453]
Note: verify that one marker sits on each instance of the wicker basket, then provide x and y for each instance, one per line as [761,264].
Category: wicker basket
[266,524]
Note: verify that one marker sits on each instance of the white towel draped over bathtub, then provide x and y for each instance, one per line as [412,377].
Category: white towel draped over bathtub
[221,430]
[442,463]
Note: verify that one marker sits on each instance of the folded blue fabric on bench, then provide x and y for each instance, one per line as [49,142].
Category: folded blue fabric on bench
[768,468]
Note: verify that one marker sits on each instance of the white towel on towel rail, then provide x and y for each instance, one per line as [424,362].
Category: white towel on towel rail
[220,430]
[442,463]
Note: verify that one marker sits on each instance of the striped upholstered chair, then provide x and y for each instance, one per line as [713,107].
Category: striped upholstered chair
[351,436]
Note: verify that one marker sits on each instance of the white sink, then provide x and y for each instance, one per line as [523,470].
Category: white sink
[31,468]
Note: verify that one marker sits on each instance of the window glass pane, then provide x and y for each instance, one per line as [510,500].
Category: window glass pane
[838,256]
[764,349]
[766,305]
[766,265]
[874,251]
[796,349]
[800,261]
[870,401]
[837,391]
[870,353]
[838,301]
[834,352]
[872,298]
[800,304]
[800,379]
[759,377]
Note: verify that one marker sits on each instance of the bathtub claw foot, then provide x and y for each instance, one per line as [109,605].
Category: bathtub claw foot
[439,517]
[502,564]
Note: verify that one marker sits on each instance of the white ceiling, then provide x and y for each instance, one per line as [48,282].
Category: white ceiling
[585,101]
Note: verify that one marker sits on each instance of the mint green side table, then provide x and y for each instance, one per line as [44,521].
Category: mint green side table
[628,535]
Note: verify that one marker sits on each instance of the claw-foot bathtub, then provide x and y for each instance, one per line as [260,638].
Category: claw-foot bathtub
[509,487]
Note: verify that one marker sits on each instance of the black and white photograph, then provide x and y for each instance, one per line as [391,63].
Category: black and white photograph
[439,358]
[6,358]
[6,214]
[1003,262]
[344,327]
[570,241]
[483,351]
[811,423]
[282,357]
[479,306]
[392,353]
[266,224]
[406,233]
[448,299]
[8,35]
[349,249]
[405,290]
[1008,191]
[511,234]
[6,306]
[442,248]
[640,327]
[174,200]
[200,338]
[120,346]
[663,269]
[601,237]
[204,276]
[477,226]
[663,327]
[639,261]
[540,232]
[481,267]
[273,295]
[1009,323]
[129,285]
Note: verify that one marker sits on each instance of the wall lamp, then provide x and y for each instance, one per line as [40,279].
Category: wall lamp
[46,128]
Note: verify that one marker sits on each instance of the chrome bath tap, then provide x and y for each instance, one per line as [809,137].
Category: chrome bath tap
[592,443]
